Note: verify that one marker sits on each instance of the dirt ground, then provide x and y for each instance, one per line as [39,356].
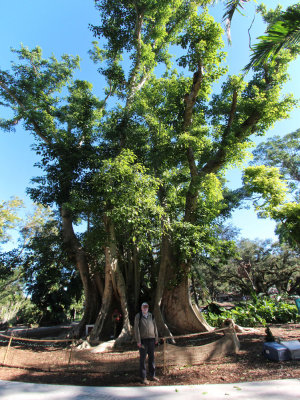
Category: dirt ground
[50,364]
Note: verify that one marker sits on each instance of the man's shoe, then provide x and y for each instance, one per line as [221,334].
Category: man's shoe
[153,378]
[145,381]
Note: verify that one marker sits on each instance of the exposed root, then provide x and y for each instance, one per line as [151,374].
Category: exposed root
[238,329]
[103,347]
[84,345]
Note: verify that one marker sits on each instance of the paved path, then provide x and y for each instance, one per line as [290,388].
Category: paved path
[288,389]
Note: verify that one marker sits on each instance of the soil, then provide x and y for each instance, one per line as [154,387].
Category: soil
[50,364]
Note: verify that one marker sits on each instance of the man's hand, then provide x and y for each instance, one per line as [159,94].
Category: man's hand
[139,345]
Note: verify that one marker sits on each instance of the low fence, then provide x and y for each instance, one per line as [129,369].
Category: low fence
[63,355]
[201,347]
[34,353]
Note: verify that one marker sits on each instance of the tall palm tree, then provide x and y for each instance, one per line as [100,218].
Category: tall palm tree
[282,34]
[231,7]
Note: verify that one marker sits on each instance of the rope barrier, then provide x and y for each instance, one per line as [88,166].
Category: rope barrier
[70,340]
[18,342]
[167,355]
[195,334]
[36,340]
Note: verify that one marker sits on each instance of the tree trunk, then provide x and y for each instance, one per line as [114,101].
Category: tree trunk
[165,263]
[77,253]
[106,299]
[118,283]
[194,290]
[114,286]
[180,315]
[137,278]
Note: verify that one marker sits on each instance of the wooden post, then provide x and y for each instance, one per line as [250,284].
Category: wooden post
[235,340]
[231,334]
[164,352]
[7,349]
[70,353]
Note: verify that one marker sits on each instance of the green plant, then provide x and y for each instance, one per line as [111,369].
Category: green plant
[29,314]
[260,311]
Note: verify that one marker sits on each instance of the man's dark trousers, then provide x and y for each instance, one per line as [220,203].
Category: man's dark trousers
[148,346]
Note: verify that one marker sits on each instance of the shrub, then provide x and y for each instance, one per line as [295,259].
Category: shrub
[29,314]
[259,311]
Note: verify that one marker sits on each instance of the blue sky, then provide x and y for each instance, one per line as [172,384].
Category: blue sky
[61,26]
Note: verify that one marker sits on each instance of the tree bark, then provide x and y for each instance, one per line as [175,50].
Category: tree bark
[77,253]
[106,299]
[119,283]
[180,315]
[114,286]
[137,278]
[165,263]
[173,309]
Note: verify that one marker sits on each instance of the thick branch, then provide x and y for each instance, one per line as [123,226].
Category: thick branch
[138,34]
[218,161]
[190,98]
[232,112]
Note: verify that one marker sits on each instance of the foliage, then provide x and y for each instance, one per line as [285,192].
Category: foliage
[28,314]
[35,268]
[50,278]
[255,267]
[267,182]
[12,298]
[283,153]
[288,217]
[231,7]
[8,217]
[11,294]
[208,268]
[127,194]
[283,33]
[261,311]
[279,154]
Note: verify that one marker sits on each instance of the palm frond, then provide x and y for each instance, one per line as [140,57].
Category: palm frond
[231,7]
[284,33]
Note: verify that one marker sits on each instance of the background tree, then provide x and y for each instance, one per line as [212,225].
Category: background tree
[49,277]
[261,265]
[256,267]
[281,154]
[284,154]
[8,217]
[11,297]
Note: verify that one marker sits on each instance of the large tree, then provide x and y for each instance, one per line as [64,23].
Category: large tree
[144,167]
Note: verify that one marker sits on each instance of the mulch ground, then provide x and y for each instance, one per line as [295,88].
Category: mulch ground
[49,365]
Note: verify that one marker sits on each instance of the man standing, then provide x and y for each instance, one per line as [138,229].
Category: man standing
[146,335]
